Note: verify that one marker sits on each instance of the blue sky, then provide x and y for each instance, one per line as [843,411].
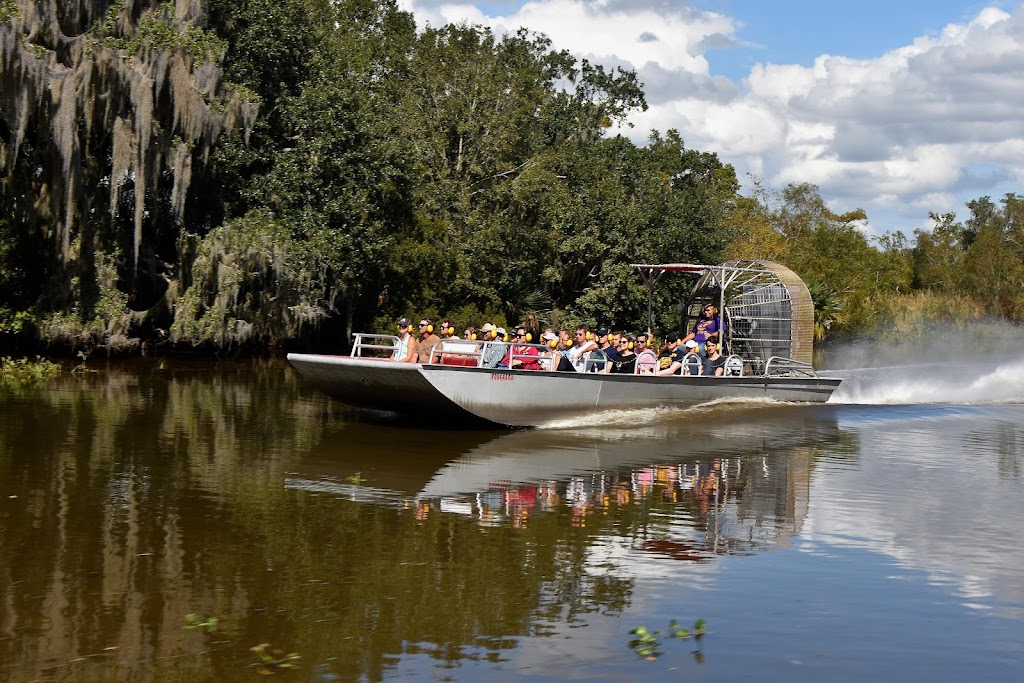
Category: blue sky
[899,107]
[797,31]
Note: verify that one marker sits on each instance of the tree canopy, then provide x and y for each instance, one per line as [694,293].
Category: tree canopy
[253,173]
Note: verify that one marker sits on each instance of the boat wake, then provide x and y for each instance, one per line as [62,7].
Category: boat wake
[617,418]
[946,383]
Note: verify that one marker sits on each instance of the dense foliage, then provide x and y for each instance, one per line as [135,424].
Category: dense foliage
[389,172]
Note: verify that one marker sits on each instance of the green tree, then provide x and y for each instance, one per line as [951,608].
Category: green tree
[107,126]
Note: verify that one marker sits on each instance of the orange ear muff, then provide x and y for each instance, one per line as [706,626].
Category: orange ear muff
[529,337]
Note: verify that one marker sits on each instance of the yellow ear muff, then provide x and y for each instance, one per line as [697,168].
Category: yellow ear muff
[629,346]
[505,338]
[430,329]
[553,343]
[588,336]
[529,337]
[679,341]
[568,343]
[472,337]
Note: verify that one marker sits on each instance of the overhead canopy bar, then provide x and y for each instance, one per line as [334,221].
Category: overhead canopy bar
[722,276]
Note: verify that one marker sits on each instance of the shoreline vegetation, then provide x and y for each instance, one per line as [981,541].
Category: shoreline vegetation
[246,178]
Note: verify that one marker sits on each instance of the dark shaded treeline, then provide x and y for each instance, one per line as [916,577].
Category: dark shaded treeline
[246,175]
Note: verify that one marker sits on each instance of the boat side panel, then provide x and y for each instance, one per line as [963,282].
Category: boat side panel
[375,384]
[531,398]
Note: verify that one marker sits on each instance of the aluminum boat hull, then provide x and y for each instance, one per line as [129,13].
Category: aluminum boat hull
[517,398]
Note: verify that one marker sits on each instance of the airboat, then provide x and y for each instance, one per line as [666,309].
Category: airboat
[767,319]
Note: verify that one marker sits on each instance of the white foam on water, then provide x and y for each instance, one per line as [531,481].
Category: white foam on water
[949,383]
[639,417]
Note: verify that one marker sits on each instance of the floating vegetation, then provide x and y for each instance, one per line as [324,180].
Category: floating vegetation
[273,660]
[194,621]
[648,643]
[24,373]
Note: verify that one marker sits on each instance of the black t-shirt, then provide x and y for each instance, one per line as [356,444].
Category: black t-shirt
[667,357]
[711,366]
[624,365]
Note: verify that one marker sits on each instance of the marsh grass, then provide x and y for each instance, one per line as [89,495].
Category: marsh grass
[24,373]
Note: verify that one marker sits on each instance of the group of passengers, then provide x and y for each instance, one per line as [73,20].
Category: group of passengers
[584,350]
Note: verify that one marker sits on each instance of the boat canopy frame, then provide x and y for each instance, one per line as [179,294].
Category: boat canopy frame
[763,307]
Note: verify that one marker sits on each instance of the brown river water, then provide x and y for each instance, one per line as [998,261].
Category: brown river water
[172,521]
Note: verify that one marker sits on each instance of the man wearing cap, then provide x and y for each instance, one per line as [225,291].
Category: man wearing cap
[428,340]
[693,366]
[670,360]
[608,344]
[405,352]
[494,350]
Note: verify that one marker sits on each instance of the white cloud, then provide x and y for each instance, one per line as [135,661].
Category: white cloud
[889,134]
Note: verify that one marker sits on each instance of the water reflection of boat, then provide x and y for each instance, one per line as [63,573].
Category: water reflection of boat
[765,312]
[701,456]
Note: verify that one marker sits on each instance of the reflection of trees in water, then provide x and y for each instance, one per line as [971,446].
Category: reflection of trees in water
[113,473]
[1009,446]
[148,495]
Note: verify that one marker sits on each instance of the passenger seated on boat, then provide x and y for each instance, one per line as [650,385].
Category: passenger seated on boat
[447,330]
[670,360]
[584,344]
[450,342]
[428,340]
[550,356]
[714,362]
[406,350]
[693,363]
[532,327]
[520,348]
[708,325]
[646,362]
[494,350]
[605,345]
[562,346]
[624,362]
[641,343]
